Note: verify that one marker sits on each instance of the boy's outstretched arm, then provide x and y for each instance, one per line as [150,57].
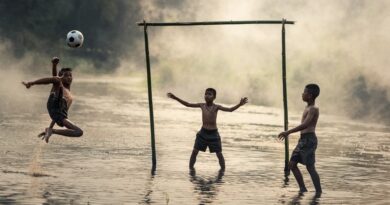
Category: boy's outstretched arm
[54,62]
[187,104]
[51,80]
[306,122]
[242,102]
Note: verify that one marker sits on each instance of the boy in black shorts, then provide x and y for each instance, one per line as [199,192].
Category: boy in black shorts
[60,99]
[45,135]
[208,135]
[304,152]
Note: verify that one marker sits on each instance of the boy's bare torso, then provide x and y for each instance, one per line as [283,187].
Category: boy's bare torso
[68,96]
[209,116]
[312,113]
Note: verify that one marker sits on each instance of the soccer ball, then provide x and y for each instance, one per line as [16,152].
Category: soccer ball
[74,39]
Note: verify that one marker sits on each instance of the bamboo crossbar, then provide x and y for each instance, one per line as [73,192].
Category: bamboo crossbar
[205,23]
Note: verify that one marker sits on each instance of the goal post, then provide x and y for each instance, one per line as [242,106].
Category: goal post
[283,22]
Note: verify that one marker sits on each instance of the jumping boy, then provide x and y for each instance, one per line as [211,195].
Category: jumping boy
[208,135]
[60,99]
[304,152]
[45,135]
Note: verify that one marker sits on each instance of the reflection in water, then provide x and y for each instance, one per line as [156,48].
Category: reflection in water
[149,190]
[316,199]
[148,197]
[296,200]
[207,189]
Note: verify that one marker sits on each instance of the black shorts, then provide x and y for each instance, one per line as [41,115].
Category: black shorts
[208,138]
[57,108]
[304,152]
[58,116]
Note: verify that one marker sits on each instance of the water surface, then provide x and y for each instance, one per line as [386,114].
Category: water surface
[111,163]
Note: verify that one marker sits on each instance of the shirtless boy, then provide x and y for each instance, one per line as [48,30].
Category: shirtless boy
[208,135]
[304,152]
[60,99]
[45,135]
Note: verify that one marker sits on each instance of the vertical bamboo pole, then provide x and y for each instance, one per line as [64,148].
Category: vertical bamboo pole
[150,99]
[286,168]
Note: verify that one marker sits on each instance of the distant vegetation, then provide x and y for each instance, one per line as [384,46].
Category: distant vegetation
[40,26]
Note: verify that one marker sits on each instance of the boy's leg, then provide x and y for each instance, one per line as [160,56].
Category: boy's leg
[193,158]
[314,177]
[298,176]
[42,135]
[72,131]
[221,160]
[47,132]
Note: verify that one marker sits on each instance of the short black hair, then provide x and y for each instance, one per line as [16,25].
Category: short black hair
[63,70]
[212,90]
[313,89]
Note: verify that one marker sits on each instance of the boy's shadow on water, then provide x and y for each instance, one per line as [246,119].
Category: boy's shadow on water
[206,188]
[296,200]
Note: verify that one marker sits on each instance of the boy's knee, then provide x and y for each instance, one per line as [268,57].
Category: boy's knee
[310,168]
[79,133]
[292,165]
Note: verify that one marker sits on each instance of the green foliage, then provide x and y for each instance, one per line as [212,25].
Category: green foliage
[40,26]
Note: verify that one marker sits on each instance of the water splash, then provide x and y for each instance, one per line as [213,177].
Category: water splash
[35,169]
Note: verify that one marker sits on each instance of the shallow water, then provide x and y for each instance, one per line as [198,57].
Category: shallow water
[111,163]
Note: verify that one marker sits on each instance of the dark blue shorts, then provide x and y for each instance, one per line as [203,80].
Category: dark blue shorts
[304,152]
[208,138]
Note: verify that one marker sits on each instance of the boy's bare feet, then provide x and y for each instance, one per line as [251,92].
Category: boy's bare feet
[302,190]
[41,135]
[48,133]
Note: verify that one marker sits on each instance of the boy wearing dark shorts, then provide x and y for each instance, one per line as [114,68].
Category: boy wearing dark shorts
[208,135]
[304,152]
[59,101]
[45,135]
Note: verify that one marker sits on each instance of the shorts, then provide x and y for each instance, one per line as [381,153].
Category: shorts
[208,138]
[304,152]
[58,117]
[57,108]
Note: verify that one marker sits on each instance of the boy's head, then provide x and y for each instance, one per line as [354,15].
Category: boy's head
[210,94]
[66,75]
[311,92]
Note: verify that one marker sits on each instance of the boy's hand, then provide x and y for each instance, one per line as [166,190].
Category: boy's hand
[243,101]
[28,84]
[170,95]
[283,135]
[55,60]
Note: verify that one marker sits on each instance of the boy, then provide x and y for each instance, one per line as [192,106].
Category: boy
[54,61]
[208,136]
[304,152]
[59,101]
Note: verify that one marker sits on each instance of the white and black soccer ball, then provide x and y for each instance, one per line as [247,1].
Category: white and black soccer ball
[74,39]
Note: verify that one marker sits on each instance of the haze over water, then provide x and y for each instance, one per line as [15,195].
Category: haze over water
[111,163]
